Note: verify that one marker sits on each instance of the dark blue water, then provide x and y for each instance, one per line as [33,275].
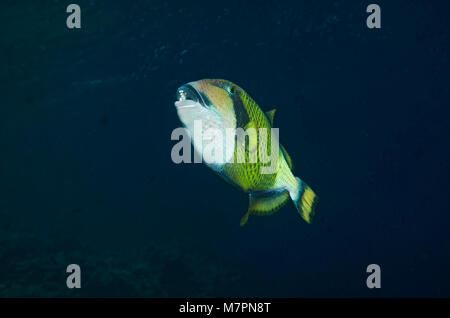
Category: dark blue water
[86,175]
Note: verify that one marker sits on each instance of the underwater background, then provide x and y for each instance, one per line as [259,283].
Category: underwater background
[86,175]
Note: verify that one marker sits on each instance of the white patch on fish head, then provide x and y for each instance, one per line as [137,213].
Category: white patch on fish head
[208,130]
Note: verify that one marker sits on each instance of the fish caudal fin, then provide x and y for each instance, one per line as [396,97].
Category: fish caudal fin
[265,203]
[305,200]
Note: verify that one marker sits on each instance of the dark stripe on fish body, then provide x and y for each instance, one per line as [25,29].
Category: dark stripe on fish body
[242,117]
[206,99]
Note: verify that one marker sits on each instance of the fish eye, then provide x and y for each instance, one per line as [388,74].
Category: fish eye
[231,90]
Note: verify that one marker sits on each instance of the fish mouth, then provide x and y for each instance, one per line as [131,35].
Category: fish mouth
[187,97]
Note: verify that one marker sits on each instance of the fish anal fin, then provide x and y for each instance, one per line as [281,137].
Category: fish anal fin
[265,203]
[270,115]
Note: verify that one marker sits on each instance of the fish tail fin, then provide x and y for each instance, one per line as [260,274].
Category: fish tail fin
[304,199]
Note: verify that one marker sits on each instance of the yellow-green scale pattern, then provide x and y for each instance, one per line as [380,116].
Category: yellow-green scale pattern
[247,175]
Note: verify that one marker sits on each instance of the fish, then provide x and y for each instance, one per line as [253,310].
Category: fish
[210,109]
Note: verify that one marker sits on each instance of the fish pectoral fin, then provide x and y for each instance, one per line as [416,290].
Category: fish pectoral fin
[265,203]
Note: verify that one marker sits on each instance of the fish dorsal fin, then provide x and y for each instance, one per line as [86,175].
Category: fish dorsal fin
[270,115]
[265,203]
[287,157]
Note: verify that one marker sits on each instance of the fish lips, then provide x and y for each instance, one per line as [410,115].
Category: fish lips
[181,104]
